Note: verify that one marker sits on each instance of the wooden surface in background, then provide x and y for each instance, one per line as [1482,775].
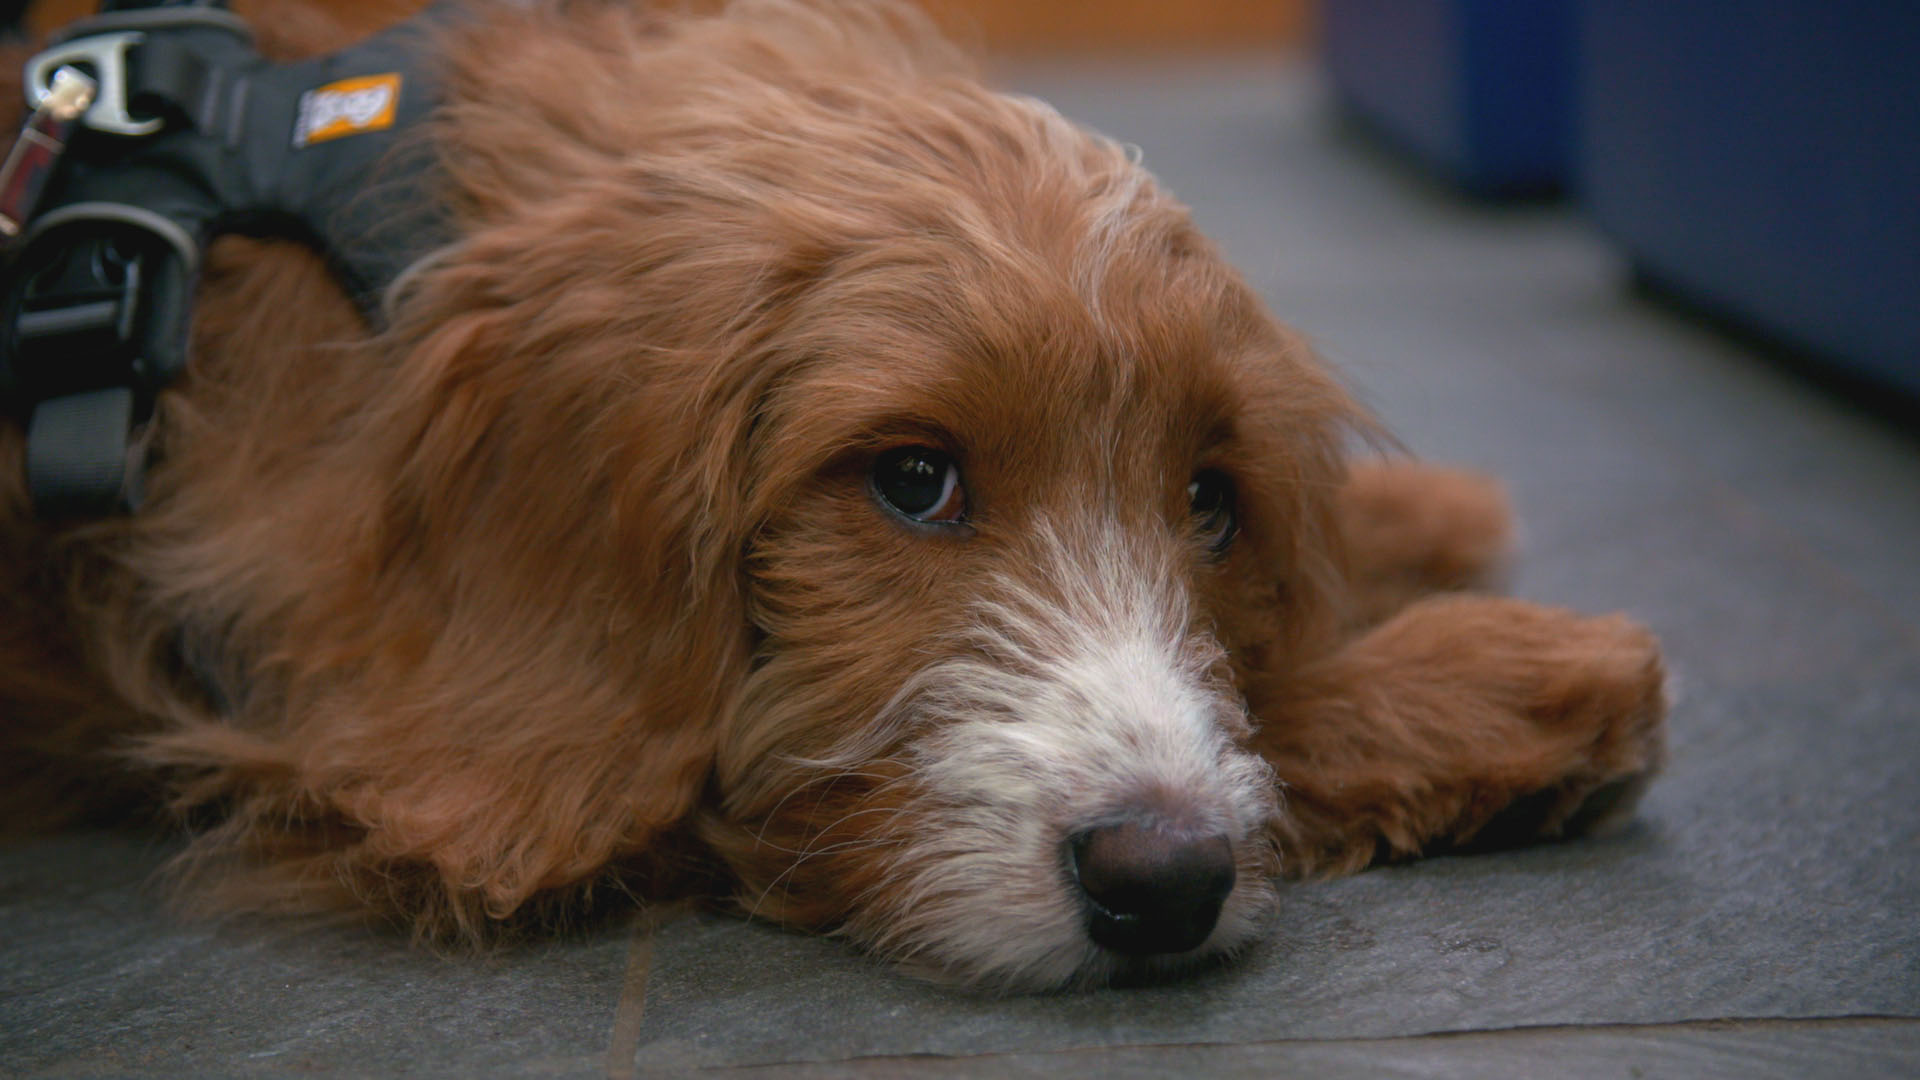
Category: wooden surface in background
[1029,26]
[1038,26]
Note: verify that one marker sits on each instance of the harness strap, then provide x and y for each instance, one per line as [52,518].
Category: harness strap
[191,135]
[77,452]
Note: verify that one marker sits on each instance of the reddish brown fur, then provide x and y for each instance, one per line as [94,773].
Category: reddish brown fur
[534,594]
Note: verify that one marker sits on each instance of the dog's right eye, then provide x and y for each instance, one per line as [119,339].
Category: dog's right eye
[920,484]
[1210,495]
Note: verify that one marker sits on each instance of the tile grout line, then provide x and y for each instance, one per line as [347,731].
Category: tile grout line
[1575,1030]
[623,1045]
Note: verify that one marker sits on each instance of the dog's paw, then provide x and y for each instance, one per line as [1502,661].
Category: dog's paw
[1597,700]
[1468,722]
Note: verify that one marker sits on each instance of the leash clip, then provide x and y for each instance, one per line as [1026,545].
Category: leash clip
[24,175]
[106,54]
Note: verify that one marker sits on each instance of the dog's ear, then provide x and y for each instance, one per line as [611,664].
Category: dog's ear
[506,622]
[1293,426]
[491,626]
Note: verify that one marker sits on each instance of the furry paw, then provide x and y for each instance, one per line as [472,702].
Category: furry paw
[1597,699]
[1464,722]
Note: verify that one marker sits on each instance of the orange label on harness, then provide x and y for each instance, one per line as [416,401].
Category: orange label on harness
[348,107]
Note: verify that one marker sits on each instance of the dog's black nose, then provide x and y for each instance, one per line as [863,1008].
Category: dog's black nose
[1152,887]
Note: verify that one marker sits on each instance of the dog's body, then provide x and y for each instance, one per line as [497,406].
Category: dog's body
[812,471]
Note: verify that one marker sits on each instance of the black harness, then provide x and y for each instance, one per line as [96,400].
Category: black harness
[156,128]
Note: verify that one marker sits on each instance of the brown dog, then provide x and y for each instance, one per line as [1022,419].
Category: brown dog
[810,467]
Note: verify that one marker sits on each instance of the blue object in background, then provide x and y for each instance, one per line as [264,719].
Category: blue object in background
[1478,89]
[1762,160]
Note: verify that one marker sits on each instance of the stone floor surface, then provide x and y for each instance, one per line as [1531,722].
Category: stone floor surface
[1758,919]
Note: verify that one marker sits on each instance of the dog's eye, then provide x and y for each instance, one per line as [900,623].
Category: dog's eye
[921,484]
[1210,495]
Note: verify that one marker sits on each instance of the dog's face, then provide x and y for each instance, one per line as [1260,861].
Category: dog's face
[1024,548]
[1033,500]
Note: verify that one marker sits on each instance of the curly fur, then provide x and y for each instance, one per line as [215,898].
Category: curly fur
[569,586]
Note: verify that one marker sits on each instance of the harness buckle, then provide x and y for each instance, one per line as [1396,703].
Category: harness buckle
[106,55]
[95,325]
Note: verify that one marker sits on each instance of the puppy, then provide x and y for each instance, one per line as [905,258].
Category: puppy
[806,474]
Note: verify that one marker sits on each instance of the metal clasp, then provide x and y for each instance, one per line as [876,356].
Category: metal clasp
[106,55]
[30,164]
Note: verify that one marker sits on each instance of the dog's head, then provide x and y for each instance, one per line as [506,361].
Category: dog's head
[953,489]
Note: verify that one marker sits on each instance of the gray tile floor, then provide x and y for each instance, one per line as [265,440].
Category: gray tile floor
[1759,919]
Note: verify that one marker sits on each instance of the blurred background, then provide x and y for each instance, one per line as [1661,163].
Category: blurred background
[1755,162]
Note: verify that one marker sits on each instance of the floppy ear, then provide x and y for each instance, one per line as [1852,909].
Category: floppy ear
[490,624]
[485,642]
[1409,529]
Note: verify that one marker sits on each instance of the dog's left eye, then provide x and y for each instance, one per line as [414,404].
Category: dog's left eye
[1210,495]
[921,484]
